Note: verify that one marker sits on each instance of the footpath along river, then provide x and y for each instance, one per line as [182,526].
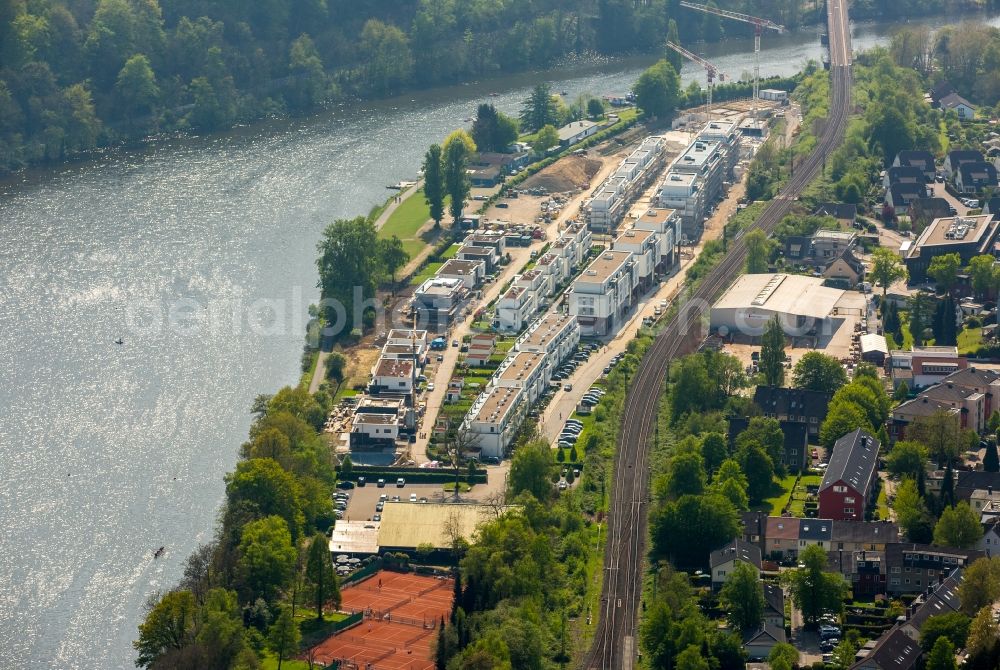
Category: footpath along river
[110,451]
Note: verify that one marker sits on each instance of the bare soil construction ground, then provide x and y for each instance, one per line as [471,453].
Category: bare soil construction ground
[567,174]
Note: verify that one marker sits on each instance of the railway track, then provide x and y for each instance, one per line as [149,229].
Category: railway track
[616,642]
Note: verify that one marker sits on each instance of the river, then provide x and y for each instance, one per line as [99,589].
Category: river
[197,253]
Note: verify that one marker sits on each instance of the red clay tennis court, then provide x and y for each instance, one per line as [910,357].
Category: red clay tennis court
[401,617]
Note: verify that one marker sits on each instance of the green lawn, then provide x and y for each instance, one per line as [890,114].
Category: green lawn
[451,251]
[882,505]
[907,342]
[270,662]
[425,274]
[782,489]
[969,340]
[406,220]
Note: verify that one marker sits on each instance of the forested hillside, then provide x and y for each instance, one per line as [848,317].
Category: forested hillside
[77,74]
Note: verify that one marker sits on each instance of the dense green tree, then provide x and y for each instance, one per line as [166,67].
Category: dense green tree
[692,659]
[902,392]
[772,353]
[714,450]
[267,557]
[980,585]
[137,89]
[319,570]
[953,625]
[391,255]
[283,636]
[958,527]
[530,469]
[886,268]
[906,459]
[595,108]
[309,85]
[387,55]
[911,512]
[170,625]
[493,130]
[991,460]
[944,269]
[983,636]
[940,432]
[759,470]
[539,110]
[657,90]
[817,371]
[814,590]
[758,251]
[263,486]
[349,271]
[785,654]
[841,419]
[673,35]
[685,476]
[742,598]
[765,433]
[458,148]
[942,656]
[434,188]
[691,527]
[547,137]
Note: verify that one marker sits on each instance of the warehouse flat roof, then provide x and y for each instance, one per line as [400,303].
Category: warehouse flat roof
[781,293]
[354,537]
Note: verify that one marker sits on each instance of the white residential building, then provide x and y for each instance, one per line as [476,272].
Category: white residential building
[554,335]
[495,418]
[683,194]
[515,309]
[611,200]
[601,296]
[667,226]
[470,273]
[644,247]
[437,300]
[406,343]
[525,370]
[393,376]
[727,135]
[371,429]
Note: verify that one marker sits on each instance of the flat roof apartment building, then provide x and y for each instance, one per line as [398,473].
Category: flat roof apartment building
[515,309]
[967,236]
[495,417]
[555,335]
[611,200]
[602,295]
[667,225]
[438,300]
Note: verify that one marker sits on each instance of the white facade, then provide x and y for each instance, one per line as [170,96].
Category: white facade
[610,201]
[644,247]
[393,375]
[554,335]
[515,309]
[495,418]
[773,94]
[602,294]
[667,226]
[470,273]
[372,427]
[525,370]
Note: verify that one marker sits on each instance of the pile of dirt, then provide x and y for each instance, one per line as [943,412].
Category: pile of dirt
[567,174]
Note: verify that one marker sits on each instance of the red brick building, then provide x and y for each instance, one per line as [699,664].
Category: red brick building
[848,486]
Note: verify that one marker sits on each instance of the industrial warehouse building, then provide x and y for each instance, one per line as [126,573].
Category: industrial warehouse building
[801,304]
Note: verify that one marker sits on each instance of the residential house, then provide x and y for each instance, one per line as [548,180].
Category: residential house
[754,527]
[525,370]
[611,200]
[798,248]
[903,174]
[554,334]
[644,247]
[602,295]
[788,404]
[723,561]
[914,567]
[984,502]
[683,193]
[954,159]
[925,210]
[470,273]
[488,255]
[494,419]
[491,239]
[481,349]
[901,195]
[395,376]
[923,160]
[865,570]
[781,536]
[976,177]
[817,532]
[828,245]
[969,401]
[515,309]
[846,214]
[955,103]
[438,300]
[970,393]
[845,270]
[406,343]
[373,430]
[774,604]
[794,456]
[912,410]
[577,131]
[855,536]
[848,485]
[990,541]
[758,645]
[967,482]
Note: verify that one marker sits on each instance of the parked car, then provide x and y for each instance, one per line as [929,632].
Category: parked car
[377,517]
[379,506]
[400,483]
[346,485]
[381,483]
[413,497]
[361,482]
[567,387]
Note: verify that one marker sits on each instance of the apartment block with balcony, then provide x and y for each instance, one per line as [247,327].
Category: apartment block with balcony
[602,295]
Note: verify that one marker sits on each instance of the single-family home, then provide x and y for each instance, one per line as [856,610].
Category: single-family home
[846,269]
[901,195]
[758,644]
[576,131]
[394,376]
[774,604]
[846,214]
[848,485]
[781,536]
[471,273]
[976,177]
[488,255]
[789,404]
[954,159]
[953,102]
[853,536]
[515,309]
[903,174]
[923,160]
[723,561]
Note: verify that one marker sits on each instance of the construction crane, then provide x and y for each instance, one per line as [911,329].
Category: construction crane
[759,25]
[711,71]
